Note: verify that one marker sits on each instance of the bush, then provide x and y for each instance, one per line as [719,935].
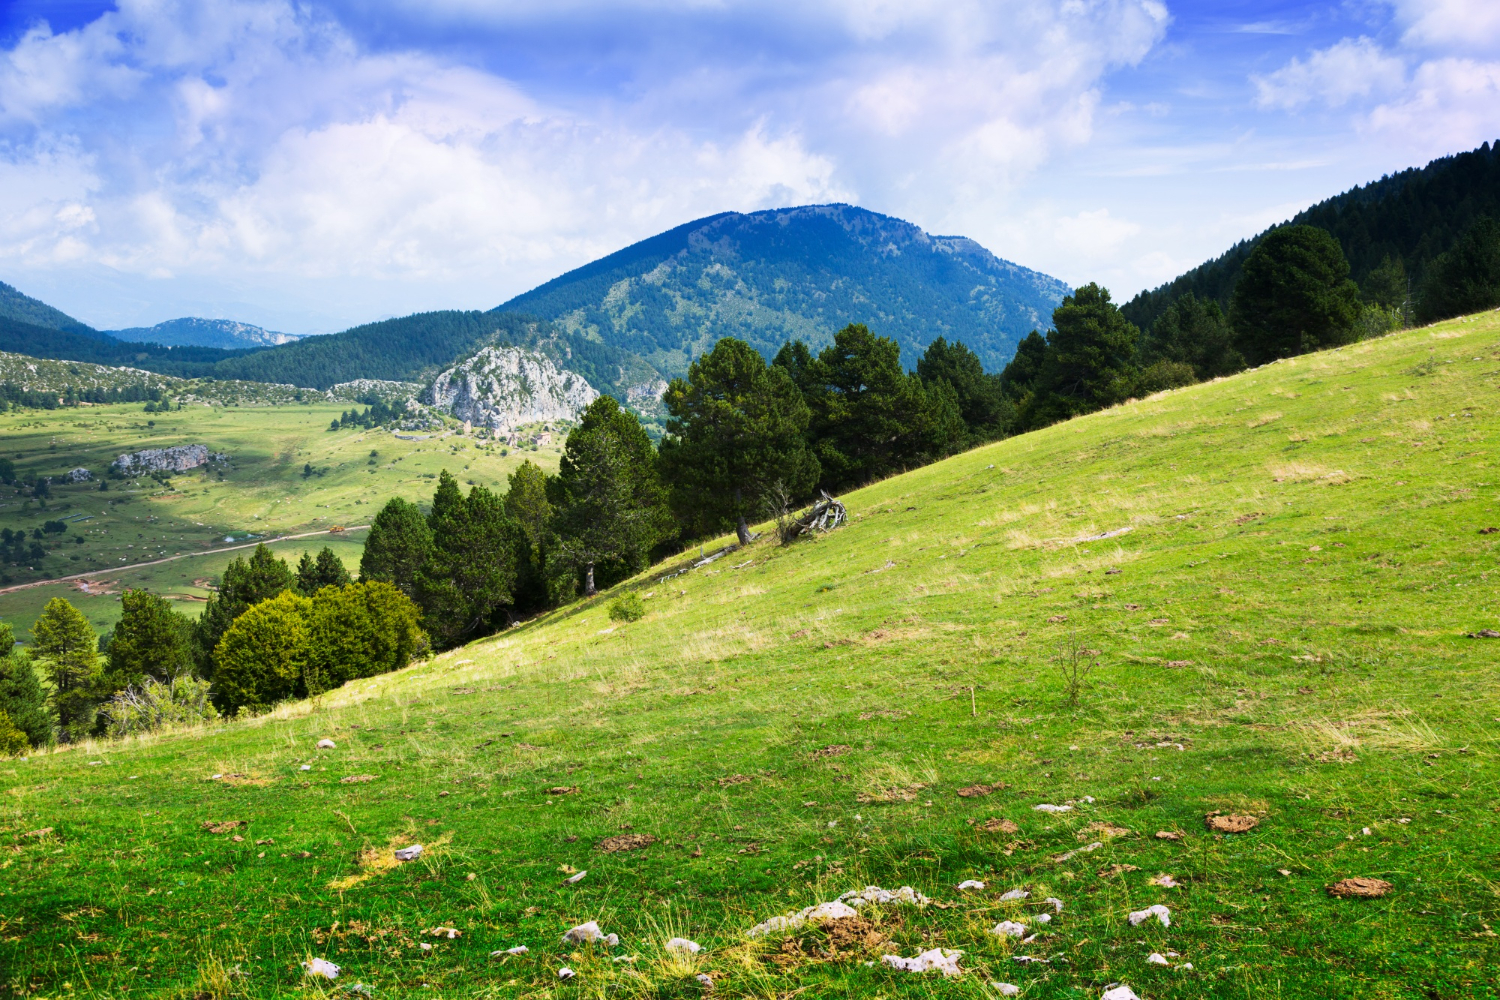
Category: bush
[627,608]
[1164,375]
[260,659]
[152,704]
[13,742]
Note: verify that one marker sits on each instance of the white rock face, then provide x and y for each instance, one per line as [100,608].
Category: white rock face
[504,387]
[177,459]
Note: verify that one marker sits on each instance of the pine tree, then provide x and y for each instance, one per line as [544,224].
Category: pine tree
[470,572]
[1020,376]
[398,543]
[526,503]
[1195,333]
[327,570]
[21,694]
[150,640]
[609,501]
[736,427]
[1293,296]
[245,583]
[64,641]
[1090,360]
[981,397]
[1466,279]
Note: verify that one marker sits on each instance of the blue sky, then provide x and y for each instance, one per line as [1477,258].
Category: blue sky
[307,166]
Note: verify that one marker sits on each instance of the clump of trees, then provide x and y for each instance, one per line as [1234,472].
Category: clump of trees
[377,414]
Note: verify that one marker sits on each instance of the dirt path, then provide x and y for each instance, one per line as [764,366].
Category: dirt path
[184,555]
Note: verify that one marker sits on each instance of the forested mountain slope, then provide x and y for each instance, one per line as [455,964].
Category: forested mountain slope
[1411,216]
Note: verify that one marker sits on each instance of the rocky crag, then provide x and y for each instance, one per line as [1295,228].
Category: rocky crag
[504,387]
[181,458]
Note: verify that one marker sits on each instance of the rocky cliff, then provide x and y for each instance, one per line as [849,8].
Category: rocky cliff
[505,387]
[177,459]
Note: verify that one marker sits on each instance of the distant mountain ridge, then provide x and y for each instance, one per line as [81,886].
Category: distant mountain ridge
[1411,216]
[790,273]
[195,332]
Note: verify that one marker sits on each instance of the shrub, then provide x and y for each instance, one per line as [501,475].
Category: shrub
[260,659]
[152,704]
[1164,375]
[359,631]
[13,742]
[627,608]
[21,696]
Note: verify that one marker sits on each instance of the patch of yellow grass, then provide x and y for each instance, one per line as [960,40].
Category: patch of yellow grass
[378,860]
[1263,419]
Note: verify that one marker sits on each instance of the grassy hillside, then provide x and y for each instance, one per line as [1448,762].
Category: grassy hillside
[261,492]
[1277,572]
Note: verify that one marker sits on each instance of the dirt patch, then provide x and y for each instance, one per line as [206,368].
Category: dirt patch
[837,750]
[906,793]
[843,940]
[1360,888]
[1114,870]
[1247,518]
[1485,633]
[1230,822]
[625,842]
[228,826]
[562,790]
[1105,830]
[1179,663]
[244,780]
[1168,835]
[734,779]
[357,779]
[976,791]
[996,824]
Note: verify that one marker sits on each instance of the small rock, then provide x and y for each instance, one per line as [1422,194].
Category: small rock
[944,960]
[321,967]
[684,945]
[409,853]
[1005,989]
[1057,904]
[519,949]
[575,879]
[1118,992]
[327,745]
[1360,888]
[1158,911]
[584,933]
[425,946]
[1156,958]
[705,981]
[1008,928]
[1028,959]
[1168,835]
[1047,807]
[305,767]
[565,973]
[970,883]
[1166,882]
[1014,894]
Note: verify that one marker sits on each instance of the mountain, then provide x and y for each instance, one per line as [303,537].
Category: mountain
[194,332]
[22,308]
[504,387]
[34,341]
[1412,216]
[796,273]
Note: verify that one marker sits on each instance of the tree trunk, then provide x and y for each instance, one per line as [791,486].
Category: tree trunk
[741,529]
[588,581]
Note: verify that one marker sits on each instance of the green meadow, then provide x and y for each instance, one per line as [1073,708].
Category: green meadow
[263,491]
[1272,577]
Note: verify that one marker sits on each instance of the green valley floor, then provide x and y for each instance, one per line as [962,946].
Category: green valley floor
[1274,578]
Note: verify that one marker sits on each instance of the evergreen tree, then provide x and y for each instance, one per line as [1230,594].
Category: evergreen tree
[150,640]
[245,583]
[609,502]
[1386,286]
[1466,279]
[1090,359]
[470,572]
[327,570]
[21,694]
[981,396]
[869,417]
[1020,376]
[396,546]
[526,503]
[359,630]
[64,641]
[259,661]
[1293,296]
[1195,333]
[736,427]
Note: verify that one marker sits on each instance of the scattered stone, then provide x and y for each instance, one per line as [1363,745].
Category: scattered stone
[1082,850]
[944,960]
[1118,992]
[1168,835]
[1156,958]
[1360,888]
[970,883]
[1057,904]
[1229,823]
[705,980]
[1485,633]
[1009,928]
[321,967]
[584,934]
[683,945]
[1047,807]
[1166,882]
[821,913]
[1285,871]
[574,879]
[356,779]
[409,853]
[327,745]
[519,949]
[1014,894]
[1044,918]
[448,932]
[625,842]
[874,894]
[1158,911]
[1005,989]
[305,767]
[1028,959]
[565,973]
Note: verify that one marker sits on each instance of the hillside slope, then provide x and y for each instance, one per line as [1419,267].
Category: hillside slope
[1411,216]
[1273,573]
[20,307]
[194,332]
[807,272]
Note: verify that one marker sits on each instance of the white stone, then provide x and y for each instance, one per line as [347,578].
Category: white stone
[1047,807]
[1005,989]
[1014,894]
[684,945]
[326,745]
[1158,911]
[1156,958]
[970,883]
[565,973]
[1008,928]
[1118,992]
[584,933]
[321,967]
[409,853]
[943,960]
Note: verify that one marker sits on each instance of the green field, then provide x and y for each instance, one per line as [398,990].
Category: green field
[1280,607]
[262,492]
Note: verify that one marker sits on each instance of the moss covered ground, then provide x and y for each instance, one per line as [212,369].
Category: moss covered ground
[1278,573]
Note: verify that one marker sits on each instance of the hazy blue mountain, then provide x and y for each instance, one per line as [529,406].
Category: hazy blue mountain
[797,272]
[22,308]
[193,332]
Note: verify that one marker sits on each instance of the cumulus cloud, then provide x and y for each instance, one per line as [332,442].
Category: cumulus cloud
[232,136]
[1468,25]
[1351,69]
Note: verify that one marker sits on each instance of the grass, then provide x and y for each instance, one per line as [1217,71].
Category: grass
[1281,634]
[262,493]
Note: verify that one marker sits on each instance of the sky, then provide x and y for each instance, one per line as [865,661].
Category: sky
[307,166]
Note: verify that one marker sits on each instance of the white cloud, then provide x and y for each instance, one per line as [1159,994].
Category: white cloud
[1353,68]
[1467,25]
[1451,104]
